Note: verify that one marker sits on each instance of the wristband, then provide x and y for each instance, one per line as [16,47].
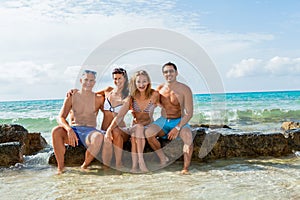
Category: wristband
[177,128]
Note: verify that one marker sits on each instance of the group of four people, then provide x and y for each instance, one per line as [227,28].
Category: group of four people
[137,95]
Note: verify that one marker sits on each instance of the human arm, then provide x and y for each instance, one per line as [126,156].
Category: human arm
[118,118]
[71,92]
[186,110]
[62,121]
[102,92]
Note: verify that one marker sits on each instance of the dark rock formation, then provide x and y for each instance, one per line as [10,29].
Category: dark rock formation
[16,138]
[12,133]
[10,153]
[73,156]
[34,142]
[213,145]
[244,145]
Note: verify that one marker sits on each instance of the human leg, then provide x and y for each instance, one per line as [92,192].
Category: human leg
[134,155]
[119,137]
[187,138]
[93,142]
[107,151]
[59,139]
[140,143]
[151,133]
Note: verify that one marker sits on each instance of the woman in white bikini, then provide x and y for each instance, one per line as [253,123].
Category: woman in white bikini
[114,99]
[142,102]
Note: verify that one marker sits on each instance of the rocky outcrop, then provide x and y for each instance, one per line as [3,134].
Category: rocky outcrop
[15,141]
[10,153]
[213,145]
[244,145]
[34,142]
[73,156]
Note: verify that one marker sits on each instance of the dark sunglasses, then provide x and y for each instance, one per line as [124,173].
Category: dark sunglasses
[86,71]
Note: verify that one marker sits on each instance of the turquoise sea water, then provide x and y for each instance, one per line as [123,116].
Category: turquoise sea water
[237,178]
[251,111]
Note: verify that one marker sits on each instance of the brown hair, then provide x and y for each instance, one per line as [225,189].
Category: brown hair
[125,91]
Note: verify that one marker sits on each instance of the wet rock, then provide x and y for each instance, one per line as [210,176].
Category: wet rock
[10,153]
[12,133]
[34,142]
[243,145]
[15,141]
[74,156]
[214,145]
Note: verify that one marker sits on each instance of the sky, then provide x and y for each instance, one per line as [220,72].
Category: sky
[254,45]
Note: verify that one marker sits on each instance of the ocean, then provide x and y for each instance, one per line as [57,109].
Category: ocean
[261,178]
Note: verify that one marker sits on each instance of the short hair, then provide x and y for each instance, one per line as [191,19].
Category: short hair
[87,71]
[119,70]
[169,64]
[132,86]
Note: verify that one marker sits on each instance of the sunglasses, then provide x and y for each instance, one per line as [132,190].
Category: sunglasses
[86,71]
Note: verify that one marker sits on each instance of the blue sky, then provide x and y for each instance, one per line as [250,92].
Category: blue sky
[253,44]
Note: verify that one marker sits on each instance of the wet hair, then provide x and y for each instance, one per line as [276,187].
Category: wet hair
[125,90]
[87,71]
[132,85]
[169,64]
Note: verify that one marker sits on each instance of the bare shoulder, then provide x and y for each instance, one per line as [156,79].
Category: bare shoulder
[155,95]
[107,89]
[184,87]
[159,87]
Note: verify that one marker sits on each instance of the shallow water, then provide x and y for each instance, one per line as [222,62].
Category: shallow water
[264,178]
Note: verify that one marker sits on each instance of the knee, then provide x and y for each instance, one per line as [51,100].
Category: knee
[57,131]
[151,139]
[139,131]
[117,134]
[97,138]
[148,133]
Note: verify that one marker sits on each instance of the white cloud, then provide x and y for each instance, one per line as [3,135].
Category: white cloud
[276,66]
[246,67]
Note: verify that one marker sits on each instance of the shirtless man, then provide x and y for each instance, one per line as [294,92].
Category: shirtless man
[177,102]
[84,106]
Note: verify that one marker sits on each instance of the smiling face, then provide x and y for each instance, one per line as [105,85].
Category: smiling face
[88,81]
[170,73]
[119,80]
[142,83]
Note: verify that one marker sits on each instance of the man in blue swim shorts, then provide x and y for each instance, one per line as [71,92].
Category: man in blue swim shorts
[83,106]
[177,102]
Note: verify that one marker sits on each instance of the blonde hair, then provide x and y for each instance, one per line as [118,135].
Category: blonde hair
[132,86]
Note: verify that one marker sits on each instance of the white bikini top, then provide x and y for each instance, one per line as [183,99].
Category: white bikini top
[107,106]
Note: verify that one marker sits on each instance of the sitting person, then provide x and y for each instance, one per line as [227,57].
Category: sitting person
[114,99]
[142,102]
[177,102]
[84,106]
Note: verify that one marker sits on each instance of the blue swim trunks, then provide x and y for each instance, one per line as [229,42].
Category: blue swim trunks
[83,131]
[168,124]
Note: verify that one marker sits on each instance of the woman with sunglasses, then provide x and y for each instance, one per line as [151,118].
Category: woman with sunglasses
[142,102]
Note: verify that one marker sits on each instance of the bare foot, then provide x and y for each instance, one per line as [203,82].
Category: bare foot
[60,171]
[165,161]
[84,168]
[134,170]
[185,172]
[143,167]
